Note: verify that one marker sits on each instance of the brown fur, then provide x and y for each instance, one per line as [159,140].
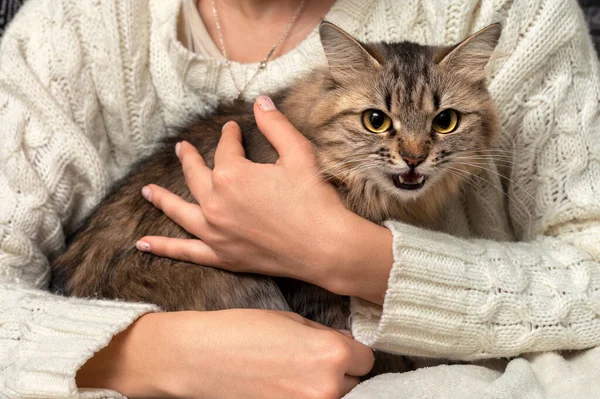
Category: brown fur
[409,82]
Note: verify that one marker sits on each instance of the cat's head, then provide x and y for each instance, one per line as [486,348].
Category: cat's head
[401,122]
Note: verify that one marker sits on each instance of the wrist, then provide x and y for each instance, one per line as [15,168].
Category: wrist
[127,364]
[360,262]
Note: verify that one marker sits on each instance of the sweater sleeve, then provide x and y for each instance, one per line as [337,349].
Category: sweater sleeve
[50,176]
[470,298]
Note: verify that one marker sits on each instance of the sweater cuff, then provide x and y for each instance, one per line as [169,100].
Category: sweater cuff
[428,306]
[56,337]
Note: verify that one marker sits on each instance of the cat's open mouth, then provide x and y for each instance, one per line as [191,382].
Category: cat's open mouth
[409,181]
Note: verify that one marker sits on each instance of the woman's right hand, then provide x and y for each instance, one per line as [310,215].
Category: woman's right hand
[228,354]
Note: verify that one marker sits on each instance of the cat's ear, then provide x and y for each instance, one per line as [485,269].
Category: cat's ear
[470,56]
[345,54]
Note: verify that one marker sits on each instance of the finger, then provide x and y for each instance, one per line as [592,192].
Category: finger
[284,137]
[197,174]
[187,215]
[361,359]
[230,144]
[348,384]
[193,251]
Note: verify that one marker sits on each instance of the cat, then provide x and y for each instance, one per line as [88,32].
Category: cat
[385,120]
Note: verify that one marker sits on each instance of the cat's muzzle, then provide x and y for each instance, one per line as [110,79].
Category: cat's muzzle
[410,180]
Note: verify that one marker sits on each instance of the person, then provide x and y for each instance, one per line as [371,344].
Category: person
[86,88]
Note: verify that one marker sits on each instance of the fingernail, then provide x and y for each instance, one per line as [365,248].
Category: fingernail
[265,103]
[142,246]
[147,193]
[225,125]
[177,149]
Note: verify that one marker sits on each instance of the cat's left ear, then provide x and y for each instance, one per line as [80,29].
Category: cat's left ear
[470,56]
[345,54]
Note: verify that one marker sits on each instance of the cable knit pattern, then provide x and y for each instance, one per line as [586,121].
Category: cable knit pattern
[87,88]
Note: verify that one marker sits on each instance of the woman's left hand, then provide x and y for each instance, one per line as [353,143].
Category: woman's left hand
[278,219]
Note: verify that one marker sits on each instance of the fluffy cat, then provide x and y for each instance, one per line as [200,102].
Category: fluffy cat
[385,120]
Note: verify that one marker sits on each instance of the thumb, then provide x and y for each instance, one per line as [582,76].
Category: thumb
[285,138]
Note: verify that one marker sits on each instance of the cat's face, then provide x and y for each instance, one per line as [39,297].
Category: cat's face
[403,120]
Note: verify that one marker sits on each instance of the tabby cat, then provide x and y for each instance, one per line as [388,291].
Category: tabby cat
[385,120]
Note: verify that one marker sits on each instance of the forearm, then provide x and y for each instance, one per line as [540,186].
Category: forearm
[261,354]
[45,338]
[361,262]
[470,298]
[134,363]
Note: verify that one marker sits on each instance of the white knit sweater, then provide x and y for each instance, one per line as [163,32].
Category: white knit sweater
[88,87]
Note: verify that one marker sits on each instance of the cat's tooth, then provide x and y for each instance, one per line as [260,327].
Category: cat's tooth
[400,179]
[420,180]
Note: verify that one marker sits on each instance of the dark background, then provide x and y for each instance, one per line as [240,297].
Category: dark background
[591,8]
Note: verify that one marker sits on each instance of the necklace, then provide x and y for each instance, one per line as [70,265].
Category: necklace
[262,65]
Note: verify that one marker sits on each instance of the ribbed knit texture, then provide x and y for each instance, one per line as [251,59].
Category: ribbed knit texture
[87,88]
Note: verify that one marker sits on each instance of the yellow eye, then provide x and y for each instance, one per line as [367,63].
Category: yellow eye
[446,121]
[376,121]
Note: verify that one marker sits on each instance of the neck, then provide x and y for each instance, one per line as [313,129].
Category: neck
[259,10]
[250,28]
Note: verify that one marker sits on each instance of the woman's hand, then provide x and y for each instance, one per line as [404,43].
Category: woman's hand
[281,219]
[228,354]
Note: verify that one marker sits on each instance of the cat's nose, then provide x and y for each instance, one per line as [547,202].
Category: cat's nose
[413,160]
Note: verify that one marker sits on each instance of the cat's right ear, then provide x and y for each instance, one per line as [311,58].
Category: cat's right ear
[470,56]
[344,53]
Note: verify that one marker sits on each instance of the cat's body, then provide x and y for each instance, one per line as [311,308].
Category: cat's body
[117,270]
[397,173]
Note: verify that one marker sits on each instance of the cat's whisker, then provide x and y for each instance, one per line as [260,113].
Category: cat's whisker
[502,176]
[485,158]
[521,206]
[352,172]
[335,168]
[343,163]
[479,155]
[516,147]
[468,176]
[331,170]
[500,162]
[465,179]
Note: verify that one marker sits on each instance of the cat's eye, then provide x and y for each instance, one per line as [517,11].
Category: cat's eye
[446,121]
[376,121]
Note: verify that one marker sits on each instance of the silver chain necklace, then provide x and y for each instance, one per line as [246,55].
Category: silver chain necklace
[262,65]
